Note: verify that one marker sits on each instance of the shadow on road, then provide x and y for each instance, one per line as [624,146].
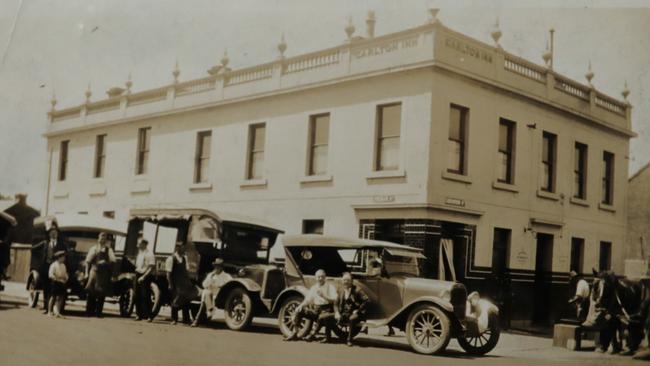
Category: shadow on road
[386,344]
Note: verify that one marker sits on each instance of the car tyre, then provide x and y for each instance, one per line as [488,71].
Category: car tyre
[285,317]
[238,309]
[485,342]
[428,329]
[156,299]
[127,302]
[32,292]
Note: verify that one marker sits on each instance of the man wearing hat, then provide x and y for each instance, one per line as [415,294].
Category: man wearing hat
[144,265]
[99,264]
[58,276]
[212,283]
[50,246]
[581,298]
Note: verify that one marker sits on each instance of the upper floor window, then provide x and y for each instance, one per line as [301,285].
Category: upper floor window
[580,171]
[142,162]
[256,142]
[100,156]
[202,156]
[605,256]
[506,151]
[608,178]
[549,152]
[457,144]
[63,159]
[388,136]
[319,135]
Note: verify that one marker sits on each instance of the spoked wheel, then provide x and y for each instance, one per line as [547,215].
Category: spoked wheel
[156,301]
[484,342]
[428,329]
[33,292]
[286,318]
[238,309]
[127,302]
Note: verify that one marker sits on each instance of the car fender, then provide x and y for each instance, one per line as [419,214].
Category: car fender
[248,284]
[128,276]
[403,312]
[297,290]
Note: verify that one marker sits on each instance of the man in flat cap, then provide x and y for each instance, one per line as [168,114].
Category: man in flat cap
[212,283]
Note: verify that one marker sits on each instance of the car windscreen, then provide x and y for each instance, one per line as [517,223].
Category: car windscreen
[311,259]
[403,263]
[245,245]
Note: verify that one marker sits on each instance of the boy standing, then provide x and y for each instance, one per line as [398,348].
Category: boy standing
[58,275]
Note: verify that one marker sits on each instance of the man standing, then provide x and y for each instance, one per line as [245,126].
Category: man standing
[144,265]
[581,298]
[212,283]
[318,306]
[99,265]
[50,246]
[350,306]
[181,288]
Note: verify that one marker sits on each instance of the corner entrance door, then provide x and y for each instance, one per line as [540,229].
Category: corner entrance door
[543,272]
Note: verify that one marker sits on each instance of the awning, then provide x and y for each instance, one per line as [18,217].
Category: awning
[405,253]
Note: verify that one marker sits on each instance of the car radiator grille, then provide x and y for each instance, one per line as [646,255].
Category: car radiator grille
[459,300]
[274,284]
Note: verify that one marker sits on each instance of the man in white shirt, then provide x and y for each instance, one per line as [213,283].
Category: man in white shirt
[212,283]
[581,298]
[145,263]
[318,305]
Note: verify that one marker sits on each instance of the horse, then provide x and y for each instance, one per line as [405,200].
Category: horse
[616,311]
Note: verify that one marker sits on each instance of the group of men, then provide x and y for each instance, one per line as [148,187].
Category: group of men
[326,306]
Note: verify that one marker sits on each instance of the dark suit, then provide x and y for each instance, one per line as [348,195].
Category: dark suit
[48,249]
[352,308]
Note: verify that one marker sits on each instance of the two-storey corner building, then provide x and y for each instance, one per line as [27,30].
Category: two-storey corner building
[506,173]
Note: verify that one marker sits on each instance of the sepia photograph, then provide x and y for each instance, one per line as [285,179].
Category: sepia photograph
[308,182]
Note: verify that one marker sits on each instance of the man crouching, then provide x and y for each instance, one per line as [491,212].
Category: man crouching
[350,306]
[317,306]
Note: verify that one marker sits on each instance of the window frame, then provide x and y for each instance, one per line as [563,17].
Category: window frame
[510,149]
[581,153]
[201,155]
[607,186]
[250,150]
[312,145]
[462,140]
[100,156]
[142,151]
[580,260]
[64,150]
[549,161]
[377,165]
[609,247]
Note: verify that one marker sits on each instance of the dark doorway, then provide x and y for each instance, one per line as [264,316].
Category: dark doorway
[543,273]
[577,254]
[499,288]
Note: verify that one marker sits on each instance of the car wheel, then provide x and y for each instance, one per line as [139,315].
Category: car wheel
[484,342]
[127,302]
[33,292]
[428,329]
[156,299]
[286,314]
[238,309]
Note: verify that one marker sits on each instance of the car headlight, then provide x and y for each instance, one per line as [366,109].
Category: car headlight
[446,295]
[241,272]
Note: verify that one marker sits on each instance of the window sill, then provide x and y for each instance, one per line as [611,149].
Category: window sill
[204,186]
[606,207]
[548,195]
[381,174]
[316,178]
[141,185]
[97,187]
[60,190]
[253,183]
[579,201]
[505,187]
[456,177]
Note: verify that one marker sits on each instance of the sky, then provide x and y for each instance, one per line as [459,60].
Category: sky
[62,47]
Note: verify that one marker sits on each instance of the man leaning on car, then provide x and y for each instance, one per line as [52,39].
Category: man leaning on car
[318,305]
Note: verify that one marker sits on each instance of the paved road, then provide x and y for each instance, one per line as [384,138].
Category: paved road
[29,338]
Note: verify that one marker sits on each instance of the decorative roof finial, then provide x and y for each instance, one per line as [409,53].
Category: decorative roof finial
[225,59]
[370,24]
[176,72]
[128,84]
[88,93]
[496,33]
[589,75]
[547,56]
[349,29]
[53,101]
[626,91]
[433,12]
[282,46]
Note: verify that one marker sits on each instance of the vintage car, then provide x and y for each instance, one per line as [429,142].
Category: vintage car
[79,233]
[430,312]
[242,242]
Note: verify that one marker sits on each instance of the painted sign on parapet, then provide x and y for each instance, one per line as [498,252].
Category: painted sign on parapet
[467,49]
[386,47]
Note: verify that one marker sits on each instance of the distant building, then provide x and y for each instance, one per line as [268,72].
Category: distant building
[505,172]
[638,215]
